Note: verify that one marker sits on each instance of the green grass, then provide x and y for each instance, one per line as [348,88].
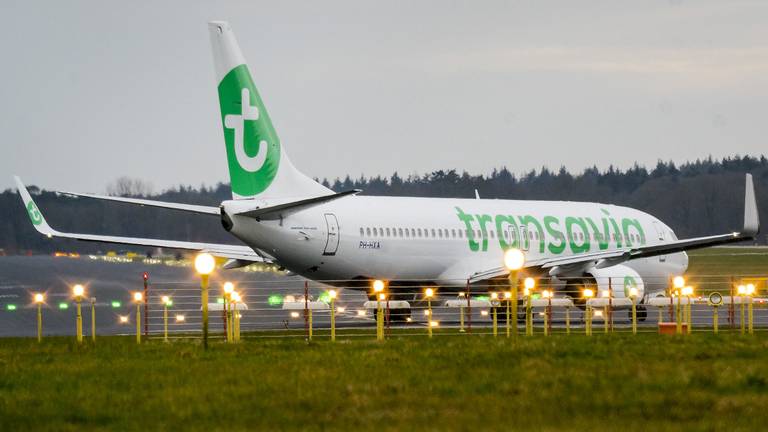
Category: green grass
[647,382]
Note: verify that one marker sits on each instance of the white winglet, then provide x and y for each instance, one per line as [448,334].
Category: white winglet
[37,219]
[751,217]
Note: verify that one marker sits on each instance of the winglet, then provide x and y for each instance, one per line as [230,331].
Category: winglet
[751,217]
[37,219]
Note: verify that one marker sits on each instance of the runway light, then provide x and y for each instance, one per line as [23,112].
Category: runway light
[290,299]
[687,291]
[39,298]
[123,319]
[605,294]
[180,318]
[236,297]
[434,323]
[598,313]
[461,294]
[741,290]
[78,290]
[408,319]
[275,300]
[633,292]
[341,309]
[484,313]
[378,285]
[514,259]
[526,291]
[137,296]
[529,283]
[429,293]
[546,294]
[205,263]
[11,307]
[750,289]
[116,304]
[507,295]
[588,293]
[426,312]
[228,287]
[166,300]
[63,306]
[678,282]
[361,312]
[294,314]
[332,294]
[382,296]
[494,296]
[220,300]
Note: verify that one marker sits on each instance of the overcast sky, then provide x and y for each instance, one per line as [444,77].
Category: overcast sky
[94,90]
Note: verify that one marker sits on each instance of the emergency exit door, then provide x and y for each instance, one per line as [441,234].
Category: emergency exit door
[332,241]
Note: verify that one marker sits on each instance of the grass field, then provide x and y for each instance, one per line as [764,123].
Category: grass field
[648,382]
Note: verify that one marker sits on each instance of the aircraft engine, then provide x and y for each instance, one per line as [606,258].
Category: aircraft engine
[620,278]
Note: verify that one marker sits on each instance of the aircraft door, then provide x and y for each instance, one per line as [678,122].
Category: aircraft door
[660,234]
[332,241]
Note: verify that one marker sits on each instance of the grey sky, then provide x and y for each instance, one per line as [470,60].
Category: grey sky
[95,90]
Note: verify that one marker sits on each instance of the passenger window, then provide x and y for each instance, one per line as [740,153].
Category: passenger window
[368,231]
[399,232]
[407,233]
[418,232]
[387,232]
[453,233]
[492,234]
[362,233]
[433,233]
[460,233]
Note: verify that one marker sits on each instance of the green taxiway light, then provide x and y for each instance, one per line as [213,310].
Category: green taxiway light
[536,296]
[63,306]
[275,300]
[115,304]
[169,303]
[325,297]
[220,300]
[483,298]
[11,307]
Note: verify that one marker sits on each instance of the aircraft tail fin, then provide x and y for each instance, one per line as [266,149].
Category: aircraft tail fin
[258,164]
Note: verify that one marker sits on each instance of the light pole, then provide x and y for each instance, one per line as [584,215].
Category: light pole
[228,321]
[742,291]
[166,302]
[529,286]
[588,294]
[547,294]
[39,300]
[514,261]
[494,303]
[633,298]
[236,299]
[508,298]
[79,291]
[138,298]
[428,294]
[93,319]
[750,291]
[204,264]
[688,293]
[378,291]
[678,283]
[332,295]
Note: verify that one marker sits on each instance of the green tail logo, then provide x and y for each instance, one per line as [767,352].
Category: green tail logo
[34,213]
[253,149]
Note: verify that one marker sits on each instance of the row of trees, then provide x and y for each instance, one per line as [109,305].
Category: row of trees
[696,198]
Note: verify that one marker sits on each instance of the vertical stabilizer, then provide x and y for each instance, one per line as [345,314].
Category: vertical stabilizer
[258,164]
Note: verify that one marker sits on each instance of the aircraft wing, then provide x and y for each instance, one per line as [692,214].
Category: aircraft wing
[192,208]
[222,250]
[583,262]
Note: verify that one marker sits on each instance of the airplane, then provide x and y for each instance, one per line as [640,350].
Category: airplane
[346,239]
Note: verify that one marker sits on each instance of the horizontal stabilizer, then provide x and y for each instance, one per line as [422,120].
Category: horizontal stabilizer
[280,210]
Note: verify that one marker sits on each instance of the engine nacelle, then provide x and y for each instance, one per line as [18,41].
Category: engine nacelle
[620,279]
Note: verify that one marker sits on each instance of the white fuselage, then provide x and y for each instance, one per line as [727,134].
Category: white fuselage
[444,241]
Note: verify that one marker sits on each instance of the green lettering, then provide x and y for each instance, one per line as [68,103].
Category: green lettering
[555,234]
[530,220]
[483,220]
[603,237]
[501,229]
[569,223]
[626,224]
[467,219]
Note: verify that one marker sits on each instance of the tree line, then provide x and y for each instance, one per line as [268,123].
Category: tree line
[696,198]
